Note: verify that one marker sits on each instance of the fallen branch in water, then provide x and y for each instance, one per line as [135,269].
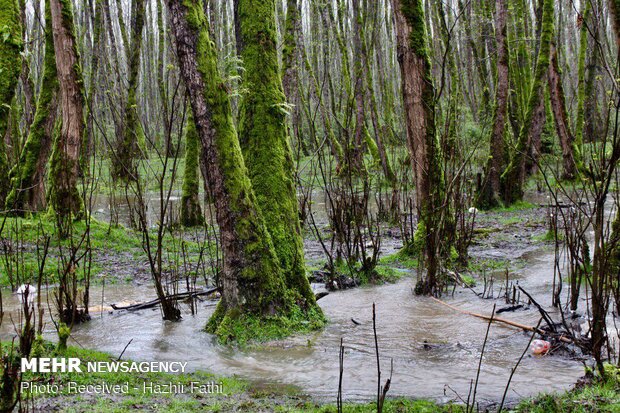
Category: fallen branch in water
[538,330]
[153,303]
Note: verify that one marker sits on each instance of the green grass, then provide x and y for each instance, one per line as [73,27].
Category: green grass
[600,396]
[115,243]
[400,260]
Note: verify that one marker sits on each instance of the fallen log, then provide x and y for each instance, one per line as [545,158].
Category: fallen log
[155,302]
[524,327]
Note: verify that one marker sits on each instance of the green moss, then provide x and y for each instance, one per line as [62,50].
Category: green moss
[129,145]
[254,268]
[512,178]
[63,335]
[244,328]
[265,142]
[191,213]
[63,195]
[413,10]
[10,48]
[24,176]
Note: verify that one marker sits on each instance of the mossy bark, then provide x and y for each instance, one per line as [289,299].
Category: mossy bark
[28,176]
[581,87]
[191,213]
[419,101]
[560,116]
[252,281]
[489,193]
[614,8]
[513,177]
[10,48]
[63,193]
[128,147]
[265,143]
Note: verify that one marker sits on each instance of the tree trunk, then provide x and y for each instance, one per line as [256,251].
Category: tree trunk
[614,8]
[514,176]
[10,48]
[491,188]
[252,282]
[64,166]
[133,136]
[28,176]
[418,96]
[558,106]
[265,142]
[581,87]
[191,213]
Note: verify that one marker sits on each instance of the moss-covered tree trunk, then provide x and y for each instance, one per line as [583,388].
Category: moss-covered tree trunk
[252,281]
[28,176]
[614,7]
[513,177]
[265,142]
[581,87]
[191,213]
[10,48]
[489,194]
[128,148]
[419,102]
[558,107]
[64,165]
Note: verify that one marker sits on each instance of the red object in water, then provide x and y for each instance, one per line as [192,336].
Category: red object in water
[540,346]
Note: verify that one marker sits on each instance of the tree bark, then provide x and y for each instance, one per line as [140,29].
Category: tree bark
[28,176]
[251,279]
[265,142]
[513,178]
[64,167]
[191,213]
[133,136]
[489,195]
[10,48]
[558,106]
[419,102]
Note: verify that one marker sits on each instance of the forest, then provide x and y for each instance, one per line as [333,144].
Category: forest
[310,205]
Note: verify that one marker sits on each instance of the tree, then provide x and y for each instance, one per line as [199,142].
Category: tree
[489,194]
[129,144]
[558,106]
[64,164]
[28,176]
[513,177]
[252,281]
[265,142]
[10,48]
[419,100]
[191,214]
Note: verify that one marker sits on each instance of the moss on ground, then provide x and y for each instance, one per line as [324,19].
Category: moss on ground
[245,329]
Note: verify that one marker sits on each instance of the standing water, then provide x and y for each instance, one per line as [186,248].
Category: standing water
[432,346]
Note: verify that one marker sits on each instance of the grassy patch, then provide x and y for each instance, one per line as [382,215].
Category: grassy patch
[600,396]
[400,260]
[109,244]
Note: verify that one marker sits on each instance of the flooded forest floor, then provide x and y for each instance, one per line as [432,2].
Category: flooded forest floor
[435,350]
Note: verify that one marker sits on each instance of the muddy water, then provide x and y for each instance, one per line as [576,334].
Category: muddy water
[405,323]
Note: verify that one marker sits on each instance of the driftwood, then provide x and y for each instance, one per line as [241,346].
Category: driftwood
[155,302]
[524,327]
[541,310]
[320,295]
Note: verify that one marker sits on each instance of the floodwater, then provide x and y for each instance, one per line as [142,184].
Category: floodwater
[405,323]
